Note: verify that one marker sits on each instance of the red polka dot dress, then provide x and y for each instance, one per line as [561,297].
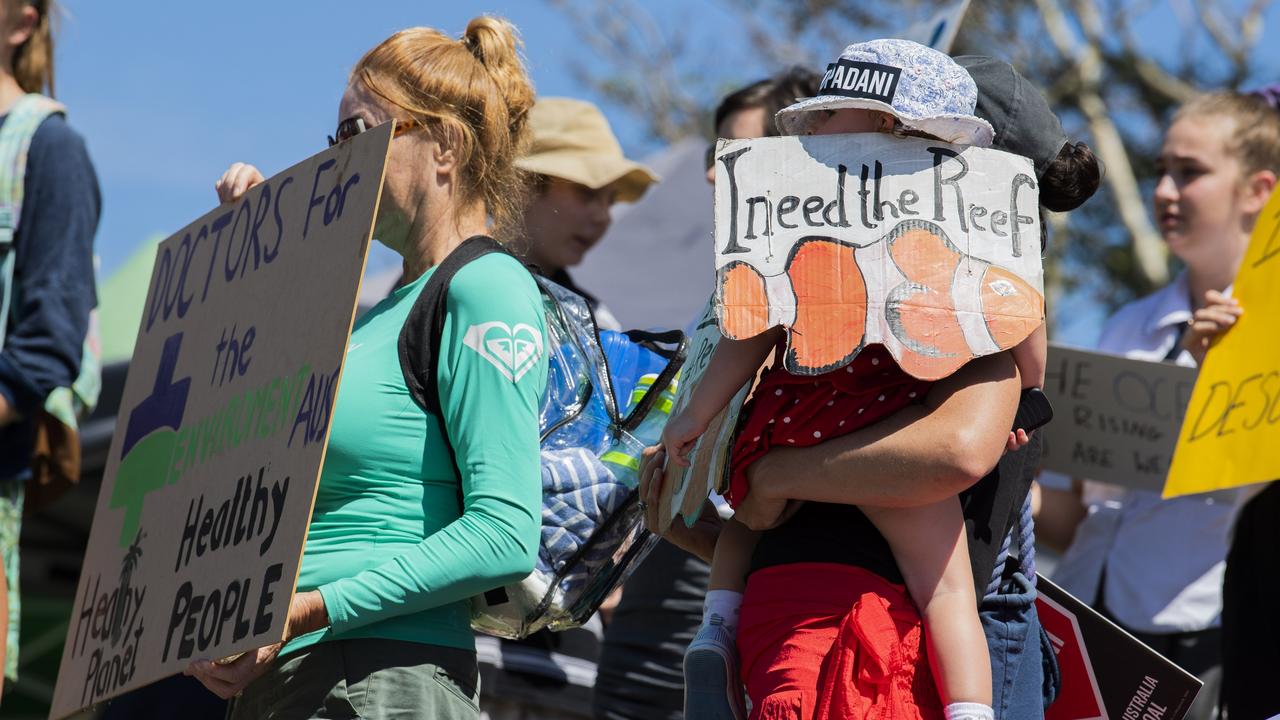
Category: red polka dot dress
[798,411]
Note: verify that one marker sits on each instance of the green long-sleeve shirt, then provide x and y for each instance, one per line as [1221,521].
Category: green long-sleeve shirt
[389,548]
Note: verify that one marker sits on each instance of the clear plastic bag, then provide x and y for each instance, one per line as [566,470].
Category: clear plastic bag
[592,527]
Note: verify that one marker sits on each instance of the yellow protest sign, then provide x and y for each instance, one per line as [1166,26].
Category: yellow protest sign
[1232,428]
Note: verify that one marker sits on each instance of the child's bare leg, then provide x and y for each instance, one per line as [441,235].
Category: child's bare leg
[932,551]
[729,566]
[732,558]
[1032,358]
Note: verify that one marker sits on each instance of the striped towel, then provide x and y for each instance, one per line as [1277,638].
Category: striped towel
[579,494]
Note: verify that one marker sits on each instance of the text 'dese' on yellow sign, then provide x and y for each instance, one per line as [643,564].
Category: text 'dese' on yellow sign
[1231,434]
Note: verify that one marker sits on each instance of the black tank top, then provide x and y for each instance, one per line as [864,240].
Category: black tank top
[824,532]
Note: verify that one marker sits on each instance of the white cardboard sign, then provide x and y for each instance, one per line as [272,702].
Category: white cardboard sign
[930,249]
[939,31]
[686,488]
[213,467]
[1115,420]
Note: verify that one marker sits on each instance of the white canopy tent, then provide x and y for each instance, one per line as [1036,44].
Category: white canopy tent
[655,266]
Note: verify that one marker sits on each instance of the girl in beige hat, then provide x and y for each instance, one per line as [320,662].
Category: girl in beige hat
[579,172]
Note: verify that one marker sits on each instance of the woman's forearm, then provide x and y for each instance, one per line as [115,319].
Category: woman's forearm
[1058,513]
[700,539]
[921,454]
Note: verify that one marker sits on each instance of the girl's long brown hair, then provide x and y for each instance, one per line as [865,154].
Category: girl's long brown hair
[32,61]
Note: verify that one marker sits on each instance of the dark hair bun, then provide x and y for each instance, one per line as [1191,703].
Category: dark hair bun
[1071,178]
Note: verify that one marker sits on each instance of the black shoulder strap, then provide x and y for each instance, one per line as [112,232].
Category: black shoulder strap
[419,343]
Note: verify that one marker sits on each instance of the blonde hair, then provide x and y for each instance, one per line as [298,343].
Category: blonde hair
[472,94]
[1255,139]
[32,61]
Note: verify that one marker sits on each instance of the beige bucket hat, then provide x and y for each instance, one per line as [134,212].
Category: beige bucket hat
[572,141]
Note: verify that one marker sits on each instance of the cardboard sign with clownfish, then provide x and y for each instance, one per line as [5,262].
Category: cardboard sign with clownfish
[930,249]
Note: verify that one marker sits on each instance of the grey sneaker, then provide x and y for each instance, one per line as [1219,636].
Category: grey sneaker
[712,687]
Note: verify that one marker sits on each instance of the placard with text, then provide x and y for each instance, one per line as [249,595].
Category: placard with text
[685,489]
[1232,427]
[930,249]
[222,428]
[1115,420]
[1106,673]
[939,30]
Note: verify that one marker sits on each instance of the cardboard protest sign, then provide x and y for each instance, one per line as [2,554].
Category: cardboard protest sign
[1106,673]
[1116,420]
[930,249]
[1232,428]
[685,488]
[939,31]
[223,424]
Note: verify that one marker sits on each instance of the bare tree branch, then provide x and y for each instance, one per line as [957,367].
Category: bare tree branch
[1251,23]
[1148,248]
[1135,63]
[1155,79]
[1109,79]
[1216,27]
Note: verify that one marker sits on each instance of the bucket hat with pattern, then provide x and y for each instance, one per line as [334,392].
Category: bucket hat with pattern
[923,88]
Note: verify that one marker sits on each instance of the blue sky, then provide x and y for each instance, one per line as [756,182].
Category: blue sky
[168,94]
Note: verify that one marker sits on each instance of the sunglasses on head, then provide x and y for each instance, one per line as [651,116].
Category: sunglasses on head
[355,125]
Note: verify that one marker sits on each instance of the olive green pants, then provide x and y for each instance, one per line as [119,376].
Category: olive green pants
[365,678]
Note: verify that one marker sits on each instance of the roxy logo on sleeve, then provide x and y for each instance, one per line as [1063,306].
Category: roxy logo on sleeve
[514,351]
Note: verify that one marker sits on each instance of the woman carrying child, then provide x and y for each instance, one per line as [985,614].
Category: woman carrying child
[800,642]
[935,98]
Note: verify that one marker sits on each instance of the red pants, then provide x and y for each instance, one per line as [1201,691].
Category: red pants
[822,641]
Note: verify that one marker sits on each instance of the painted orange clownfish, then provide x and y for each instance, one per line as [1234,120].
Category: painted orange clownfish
[933,306]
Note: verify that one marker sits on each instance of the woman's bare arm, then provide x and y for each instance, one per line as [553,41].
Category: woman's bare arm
[700,539]
[1058,514]
[917,456]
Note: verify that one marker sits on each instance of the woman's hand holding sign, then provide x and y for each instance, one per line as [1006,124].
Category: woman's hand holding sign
[700,540]
[1206,324]
[236,181]
[226,679]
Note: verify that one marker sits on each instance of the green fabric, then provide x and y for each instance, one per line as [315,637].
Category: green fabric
[368,679]
[387,548]
[11,495]
[15,140]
